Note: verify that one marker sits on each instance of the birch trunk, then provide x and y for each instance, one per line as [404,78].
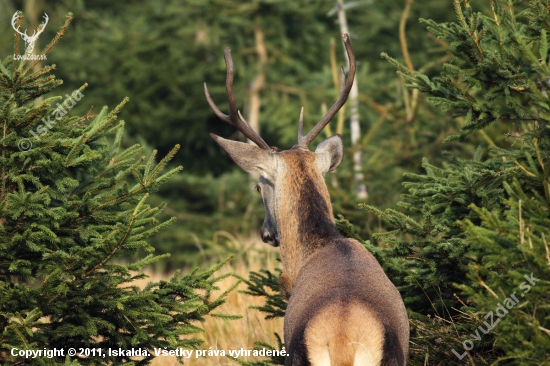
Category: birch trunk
[353,102]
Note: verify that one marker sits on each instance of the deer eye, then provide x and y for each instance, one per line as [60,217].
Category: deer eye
[258,188]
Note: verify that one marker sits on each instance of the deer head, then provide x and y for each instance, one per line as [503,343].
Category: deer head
[278,168]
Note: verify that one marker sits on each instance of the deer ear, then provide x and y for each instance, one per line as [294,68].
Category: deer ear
[329,154]
[249,158]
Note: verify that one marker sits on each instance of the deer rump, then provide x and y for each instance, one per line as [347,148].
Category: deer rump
[344,311]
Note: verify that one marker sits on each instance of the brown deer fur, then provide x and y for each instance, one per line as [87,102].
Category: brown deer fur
[304,212]
[341,301]
[342,308]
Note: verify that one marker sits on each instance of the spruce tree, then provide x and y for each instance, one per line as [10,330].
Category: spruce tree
[73,207]
[485,220]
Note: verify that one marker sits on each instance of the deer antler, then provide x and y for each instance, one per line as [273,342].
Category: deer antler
[234,118]
[345,87]
[16,27]
[29,40]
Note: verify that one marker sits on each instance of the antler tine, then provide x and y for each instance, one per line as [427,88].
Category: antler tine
[14,24]
[301,127]
[230,72]
[46,18]
[345,88]
[234,118]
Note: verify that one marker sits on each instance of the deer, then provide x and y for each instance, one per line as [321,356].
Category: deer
[342,308]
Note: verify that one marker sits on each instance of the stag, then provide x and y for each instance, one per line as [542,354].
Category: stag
[342,308]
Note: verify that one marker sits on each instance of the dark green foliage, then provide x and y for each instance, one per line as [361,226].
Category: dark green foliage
[427,257]
[512,248]
[214,209]
[484,220]
[492,76]
[267,284]
[190,36]
[131,39]
[73,205]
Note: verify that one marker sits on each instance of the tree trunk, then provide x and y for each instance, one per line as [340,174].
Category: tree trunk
[353,102]
[258,83]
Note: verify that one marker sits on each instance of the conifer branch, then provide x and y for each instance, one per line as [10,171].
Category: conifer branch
[117,199]
[149,164]
[56,39]
[4,175]
[122,240]
[16,42]
[42,72]
[112,116]
[34,116]
[163,162]
[75,149]
[119,178]
[121,160]
[144,183]
[118,137]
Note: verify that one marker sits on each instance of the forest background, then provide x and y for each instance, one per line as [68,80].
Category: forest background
[159,54]
[286,55]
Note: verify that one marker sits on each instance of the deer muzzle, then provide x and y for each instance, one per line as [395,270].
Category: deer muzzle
[269,238]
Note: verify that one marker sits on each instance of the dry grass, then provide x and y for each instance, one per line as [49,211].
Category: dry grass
[234,334]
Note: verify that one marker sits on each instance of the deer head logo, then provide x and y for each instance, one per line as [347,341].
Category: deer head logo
[29,40]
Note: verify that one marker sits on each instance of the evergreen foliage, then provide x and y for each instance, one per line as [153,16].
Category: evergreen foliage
[73,203]
[471,227]
[442,197]
[132,41]
[492,74]
[476,245]
[266,284]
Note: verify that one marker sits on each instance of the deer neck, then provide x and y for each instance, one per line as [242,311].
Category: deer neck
[306,221]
